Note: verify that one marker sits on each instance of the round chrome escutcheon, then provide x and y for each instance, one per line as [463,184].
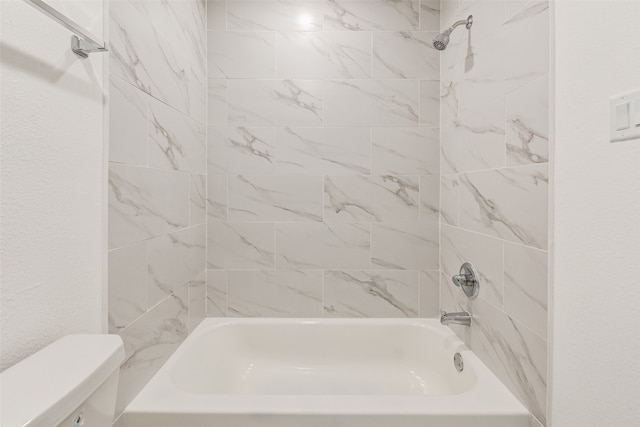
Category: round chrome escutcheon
[457,362]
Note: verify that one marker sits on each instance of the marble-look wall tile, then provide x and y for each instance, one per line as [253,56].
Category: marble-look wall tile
[430,15]
[405,151]
[405,55]
[217,98]
[430,293]
[275,198]
[174,260]
[157,180]
[458,246]
[282,15]
[127,285]
[348,123]
[376,15]
[371,102]
[217,198]
[521,49]
[197,294]
[372,198]
[198,205]
[312,246]
[182,24]
[430,103]
[240,245]
[528,124]
[242,54]
[241,150]
[475,141]
[216,15]
[142,57]
[448,9]
[275,102]
[371,293]
[128,111]
[516,355]
[449,199]
[404,246]
[429,199]
[509,203]
[324,55]
[175,141]
[525,286]
[320,151]
[148,343]
[275,293]
[216,293]
[144,203]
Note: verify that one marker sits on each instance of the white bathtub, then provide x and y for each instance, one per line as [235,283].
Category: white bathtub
[323,373]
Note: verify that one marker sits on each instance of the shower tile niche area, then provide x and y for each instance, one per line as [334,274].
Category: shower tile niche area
[322,158]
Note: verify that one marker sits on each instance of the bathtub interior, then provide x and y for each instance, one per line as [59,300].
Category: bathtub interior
[314,358]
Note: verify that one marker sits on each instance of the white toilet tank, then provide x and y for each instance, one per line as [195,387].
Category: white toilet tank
[71,382]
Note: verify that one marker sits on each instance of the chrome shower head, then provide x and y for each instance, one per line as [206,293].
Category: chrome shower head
[442,40]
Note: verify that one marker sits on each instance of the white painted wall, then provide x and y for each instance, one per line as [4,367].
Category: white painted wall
[595,316]
[52,183]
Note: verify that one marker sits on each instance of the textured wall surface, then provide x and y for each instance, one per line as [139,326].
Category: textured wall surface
[53,242]
[322,158]
[495,185]
[596,322]
[157,179]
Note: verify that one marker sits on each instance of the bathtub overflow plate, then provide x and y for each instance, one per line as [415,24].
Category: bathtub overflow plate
[457,362]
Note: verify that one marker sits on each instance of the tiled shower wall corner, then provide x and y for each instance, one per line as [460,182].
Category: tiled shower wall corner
[495,185]
[157,181]
[323,161]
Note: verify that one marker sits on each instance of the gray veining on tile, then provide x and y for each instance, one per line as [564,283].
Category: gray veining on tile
[148,343]
[217,197]
[405,151]
[430,15]
[127,285]
[371,102]
[275,198]
[449,203]
[372,198]
[198,198]
[320,151]
[275,293]
[145,203]
[509,203]
[175,141]
[174,260]
[405,55]
[398,246]
[380,15]
[216,293]
[312,246]
[275,102]
[217,102]
[430,293]
[528,124]
[525,286]
[242,54]
[241,150]
[371,294]
[429,199]
[240,245]
[128,110]
[197,297]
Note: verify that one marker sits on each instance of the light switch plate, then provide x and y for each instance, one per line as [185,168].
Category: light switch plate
[624,116]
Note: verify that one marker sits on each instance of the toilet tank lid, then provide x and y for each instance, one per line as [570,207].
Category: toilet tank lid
[46,387]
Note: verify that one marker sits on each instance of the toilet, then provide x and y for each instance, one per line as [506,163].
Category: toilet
[71,382]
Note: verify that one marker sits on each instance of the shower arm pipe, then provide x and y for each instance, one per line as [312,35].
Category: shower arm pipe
[466,22]
[83,42]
